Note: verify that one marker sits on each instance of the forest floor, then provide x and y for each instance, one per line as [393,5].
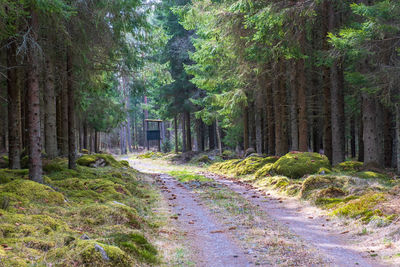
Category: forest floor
[226,222]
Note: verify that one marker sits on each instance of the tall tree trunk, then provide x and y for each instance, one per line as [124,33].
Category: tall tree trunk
[50,111]
[270,120]
[85,135]
[184,149]
[373,132]
[353,136]
[217,129]
[302,103]
[14,103]
[294,127]
[64,112]
[96,141]
[281,144]
[71,112]
[245,128]
[199,135]
[361,137]
[252,128]
[35,144]
[397,112]
[176,133]
[188,132]
[211,136]
[337,99]
[258,123]
[388,138]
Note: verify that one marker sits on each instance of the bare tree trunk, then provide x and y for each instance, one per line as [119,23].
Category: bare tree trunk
[14,103]
[188,132]
[64,112]
[184,149]
[211,136]
[270,120]
[71,112]
[302,103]
[373,132]
[50,111]
[281,144]
[258,113]
[246,128]
[388,138]
[218,137]
[176,133]
[397,111]
[353,136]
[294,127]
[35,144]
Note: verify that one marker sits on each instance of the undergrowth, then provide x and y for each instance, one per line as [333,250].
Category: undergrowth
[83,217]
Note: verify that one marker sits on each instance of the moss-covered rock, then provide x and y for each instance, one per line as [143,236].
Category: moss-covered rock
[84,151]
[7,175]
[201,159]
[225,166]
[125,163]
[32,191]
[296,164]
[135,243]
[92,160]
[349,166]
[228,154]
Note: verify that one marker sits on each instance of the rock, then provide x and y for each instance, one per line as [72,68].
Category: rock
[98,163]
[84,237]
[249,151]
[103,253]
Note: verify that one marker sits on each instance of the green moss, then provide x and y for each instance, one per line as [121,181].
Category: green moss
[264,171]
[86,253]
[88,160]
[186,176]
[151,155]
[280,183]
[201,159]
[124,163]
[318,182]
[225,167]
[371,175]
[349,166]
[253,163]
[56,165]
[33,191]
[84,151]
[323,170]
[228,154]
[136,244]
[362,207]
[7,175]
[296,165]
[25,162]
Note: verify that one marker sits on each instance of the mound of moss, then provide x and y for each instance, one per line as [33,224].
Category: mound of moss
[28,191]
[361,208]
[200,159]
[7,175]
[151,155]
[280,183]
[252,163]
[264,171]
[297,164]
[371,175]
[225,167]
[317,183]
[91,160]
[349,166]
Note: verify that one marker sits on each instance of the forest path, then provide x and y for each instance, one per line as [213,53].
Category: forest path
[230,224]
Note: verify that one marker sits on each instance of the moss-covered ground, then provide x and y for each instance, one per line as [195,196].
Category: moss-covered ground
[345,190]
[83,217]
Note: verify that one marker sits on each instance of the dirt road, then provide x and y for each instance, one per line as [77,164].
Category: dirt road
[226,223]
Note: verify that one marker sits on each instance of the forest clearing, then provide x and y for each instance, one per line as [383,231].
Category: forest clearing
[199,133]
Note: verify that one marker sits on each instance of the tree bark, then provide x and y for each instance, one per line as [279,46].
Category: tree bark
[258,123]
[270,120]
[176,133]
[184,149]
[64,112]
[188,132]
[302,104]
[353,137]
[245,128]
[361,137]
[397,112]
[373,132]
[281,144]
[35,143]
[388,138]
[50,111]
[294,127]
[71,112]
[14,107]
[211,136]
[217,129]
